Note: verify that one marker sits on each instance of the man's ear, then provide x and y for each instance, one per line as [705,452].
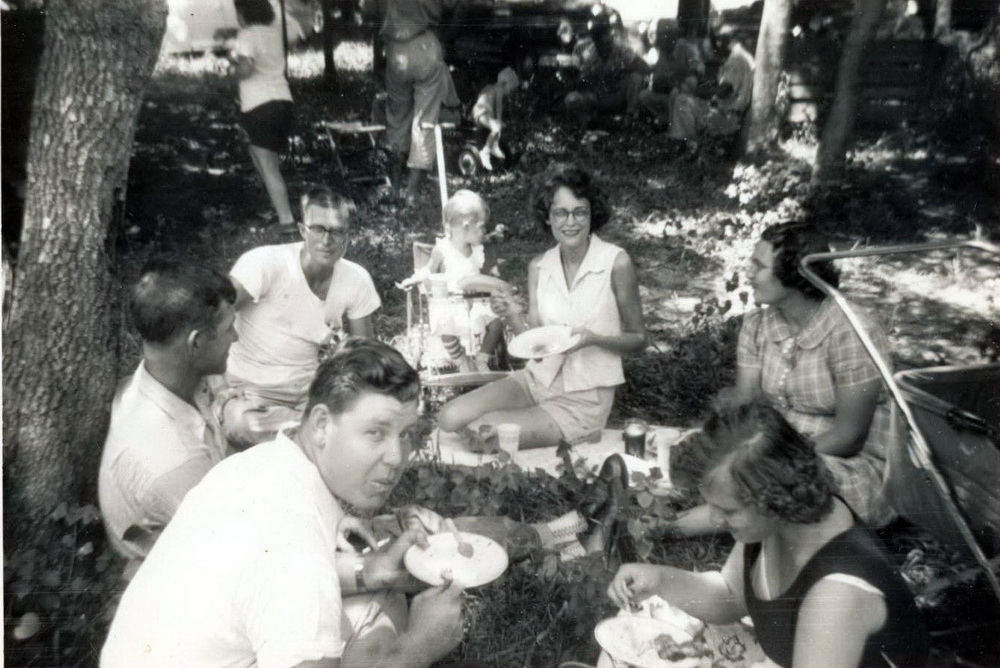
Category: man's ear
[193,341]
[318,420]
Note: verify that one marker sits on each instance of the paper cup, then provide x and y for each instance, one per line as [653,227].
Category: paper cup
[439,286]
[509,436]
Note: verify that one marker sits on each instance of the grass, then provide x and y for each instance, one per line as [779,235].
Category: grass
[688,224]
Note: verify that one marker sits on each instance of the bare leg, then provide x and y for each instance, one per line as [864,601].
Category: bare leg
[268,164]
[499,402]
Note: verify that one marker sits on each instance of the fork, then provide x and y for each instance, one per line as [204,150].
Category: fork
[464,547]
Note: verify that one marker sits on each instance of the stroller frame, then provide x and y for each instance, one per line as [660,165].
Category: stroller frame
[920,449]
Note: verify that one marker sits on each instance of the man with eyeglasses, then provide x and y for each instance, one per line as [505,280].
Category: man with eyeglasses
[293,299]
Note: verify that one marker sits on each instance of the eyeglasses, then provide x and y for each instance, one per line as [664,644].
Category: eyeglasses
[338,234]
[579,215]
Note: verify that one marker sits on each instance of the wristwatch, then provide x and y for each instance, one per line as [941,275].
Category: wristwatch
[359,575]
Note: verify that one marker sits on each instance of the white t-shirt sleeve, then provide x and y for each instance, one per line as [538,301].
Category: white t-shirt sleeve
[352,294]
[292,607]
[253,271]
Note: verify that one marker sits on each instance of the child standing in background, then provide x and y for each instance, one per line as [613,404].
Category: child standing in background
[488,113]
[461,258]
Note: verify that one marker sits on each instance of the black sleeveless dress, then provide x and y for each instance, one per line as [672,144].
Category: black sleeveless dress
[903,640]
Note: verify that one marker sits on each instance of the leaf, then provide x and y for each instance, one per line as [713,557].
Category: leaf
[85,549]
[550,566]
[60,512]
[27,626]
[51,579]
[645,499]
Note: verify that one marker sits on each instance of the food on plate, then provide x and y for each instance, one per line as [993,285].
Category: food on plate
[669,649]
[541,349]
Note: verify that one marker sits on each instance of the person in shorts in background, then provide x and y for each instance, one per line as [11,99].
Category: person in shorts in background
[265,99]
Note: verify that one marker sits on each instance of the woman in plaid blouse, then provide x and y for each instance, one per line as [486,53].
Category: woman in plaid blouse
[802,355]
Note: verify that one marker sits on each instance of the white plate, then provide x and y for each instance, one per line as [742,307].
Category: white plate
[629,639]
[542,342]
[487,563]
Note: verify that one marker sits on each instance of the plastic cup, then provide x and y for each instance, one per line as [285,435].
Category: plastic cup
[634,435]
[439,286]
[509,436]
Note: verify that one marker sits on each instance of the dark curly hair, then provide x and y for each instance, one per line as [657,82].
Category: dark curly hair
[792,241]
[581,183]
[775,469]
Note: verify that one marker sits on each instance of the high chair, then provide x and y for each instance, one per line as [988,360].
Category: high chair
[425,350]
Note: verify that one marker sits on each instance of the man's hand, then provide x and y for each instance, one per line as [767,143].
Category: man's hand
[420,520]
[384,568]
[436,621]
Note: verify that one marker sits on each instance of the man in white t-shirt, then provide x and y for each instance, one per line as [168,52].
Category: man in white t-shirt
[163,437]
[292,300]
[246,573]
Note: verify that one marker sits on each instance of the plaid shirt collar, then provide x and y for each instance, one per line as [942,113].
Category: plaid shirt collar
[820,326]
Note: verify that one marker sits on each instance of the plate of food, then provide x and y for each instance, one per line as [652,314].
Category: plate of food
[542,342]
[644,642]
[487,562]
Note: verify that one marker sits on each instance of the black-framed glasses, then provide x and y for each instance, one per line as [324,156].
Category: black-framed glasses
[335,233]
[580,214]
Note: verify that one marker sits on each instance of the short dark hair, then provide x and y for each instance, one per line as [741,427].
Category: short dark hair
[774,468]
[792,241]
[326,197]
[581,183]
[362,365]
[255,12]
[173,297]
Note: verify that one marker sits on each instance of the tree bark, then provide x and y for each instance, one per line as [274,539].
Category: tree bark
[942,18]
[769,62]
[61,339]
[832,155]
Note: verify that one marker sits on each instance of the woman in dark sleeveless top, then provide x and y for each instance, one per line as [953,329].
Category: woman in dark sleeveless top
[819,587]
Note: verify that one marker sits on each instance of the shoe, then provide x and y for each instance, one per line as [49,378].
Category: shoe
[606,514]
[497,153]
[484,157]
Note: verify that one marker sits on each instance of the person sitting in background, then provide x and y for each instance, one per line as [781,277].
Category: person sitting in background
[585,283]
[461,256]
[723,115]
[611,74]
[163,437]
[802,355]
[292,299]
[676,58]
[488,113]
[818,586]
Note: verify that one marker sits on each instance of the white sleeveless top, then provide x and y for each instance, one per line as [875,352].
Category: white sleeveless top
[458,266]
[589,302]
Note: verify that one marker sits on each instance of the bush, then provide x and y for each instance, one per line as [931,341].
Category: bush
[60,591]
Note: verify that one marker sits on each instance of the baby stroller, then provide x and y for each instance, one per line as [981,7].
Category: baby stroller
[943,464]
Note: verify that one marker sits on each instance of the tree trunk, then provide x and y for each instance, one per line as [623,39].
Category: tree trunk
[329,67]
[832,154]
[61,340]
[769,62]
[942,18]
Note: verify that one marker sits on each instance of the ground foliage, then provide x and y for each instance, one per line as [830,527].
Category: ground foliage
[689,224]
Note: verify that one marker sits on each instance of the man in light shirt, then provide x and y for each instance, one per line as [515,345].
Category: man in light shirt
[163,437]
[248,573]
[293,299]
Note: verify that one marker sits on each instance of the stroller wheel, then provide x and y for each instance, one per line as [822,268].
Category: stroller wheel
[468,162]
